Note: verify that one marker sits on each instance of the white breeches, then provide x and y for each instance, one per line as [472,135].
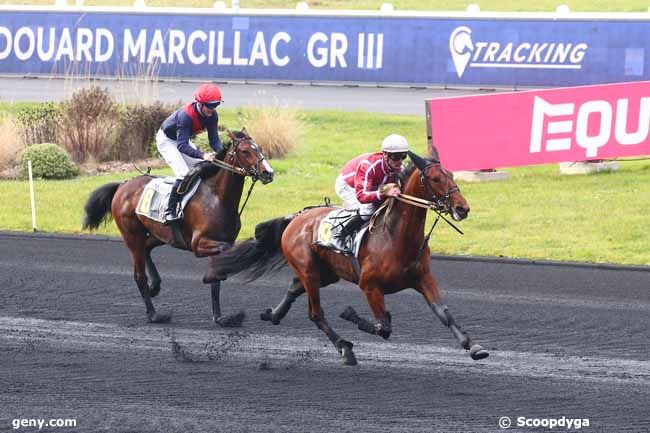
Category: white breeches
[350,202]
[179,162]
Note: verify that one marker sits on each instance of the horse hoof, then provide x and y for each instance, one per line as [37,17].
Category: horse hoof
[348,357]
[266,315]
[477,352]
[154,290]
[159,318]
[345,349]
[230,321]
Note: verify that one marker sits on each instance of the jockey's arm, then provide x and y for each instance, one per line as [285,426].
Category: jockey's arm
[183,134]
[364,184]
[213,133]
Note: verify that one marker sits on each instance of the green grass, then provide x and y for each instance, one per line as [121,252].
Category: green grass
[535,214]
[416,5]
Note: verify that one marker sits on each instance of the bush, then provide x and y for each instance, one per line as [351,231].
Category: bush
[88,121]
[39,123]
[276,129]
[49,161]
[136,131]
[10,143]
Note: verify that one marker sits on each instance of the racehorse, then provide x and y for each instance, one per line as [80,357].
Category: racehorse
[393,257]
[209,225]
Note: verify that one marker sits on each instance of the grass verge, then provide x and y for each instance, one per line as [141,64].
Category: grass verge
[536,214]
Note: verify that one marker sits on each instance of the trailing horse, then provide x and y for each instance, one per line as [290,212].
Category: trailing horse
[209,226]
[393,257]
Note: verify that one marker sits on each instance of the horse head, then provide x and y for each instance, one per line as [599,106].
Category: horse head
[247,155]
[440,186]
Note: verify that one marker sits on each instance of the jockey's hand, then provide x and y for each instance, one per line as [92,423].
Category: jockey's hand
[392,192]
[209,156]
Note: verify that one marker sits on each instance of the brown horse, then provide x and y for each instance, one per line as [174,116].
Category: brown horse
[393,257]
[210,222]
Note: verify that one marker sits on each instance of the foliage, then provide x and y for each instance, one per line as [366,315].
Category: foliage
[49,161]
[536,213]
[39,123]
[136,130]
[88,121]
[276,129]
[10,143]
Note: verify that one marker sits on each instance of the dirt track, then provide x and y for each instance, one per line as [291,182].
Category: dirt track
[74,343]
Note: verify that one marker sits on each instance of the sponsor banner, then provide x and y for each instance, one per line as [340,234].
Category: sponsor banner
[539,127]
[361,49]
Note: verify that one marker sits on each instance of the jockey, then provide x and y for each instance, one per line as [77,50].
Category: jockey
[361,178]
[173,139]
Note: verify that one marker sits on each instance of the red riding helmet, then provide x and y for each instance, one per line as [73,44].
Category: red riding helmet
[208,93]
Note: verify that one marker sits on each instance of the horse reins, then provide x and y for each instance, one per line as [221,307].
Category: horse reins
[241,171]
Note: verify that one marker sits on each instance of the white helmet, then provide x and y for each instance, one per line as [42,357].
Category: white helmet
[394,143]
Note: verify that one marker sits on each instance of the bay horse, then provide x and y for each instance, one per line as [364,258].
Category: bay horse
[209,226]
[393,257]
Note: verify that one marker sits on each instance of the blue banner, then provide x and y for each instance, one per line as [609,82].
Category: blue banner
[353,49]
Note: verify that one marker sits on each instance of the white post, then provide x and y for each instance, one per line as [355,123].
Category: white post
[31,194]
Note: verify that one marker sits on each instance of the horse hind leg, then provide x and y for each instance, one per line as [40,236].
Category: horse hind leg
[152,271]
[275,315]
[317,315]
[136,243]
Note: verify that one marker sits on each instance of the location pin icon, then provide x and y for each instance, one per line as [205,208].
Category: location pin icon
[461,47]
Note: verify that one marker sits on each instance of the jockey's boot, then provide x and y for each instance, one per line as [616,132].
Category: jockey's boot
[172,213]
[350,226]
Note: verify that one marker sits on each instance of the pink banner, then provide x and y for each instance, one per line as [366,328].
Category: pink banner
[541,126]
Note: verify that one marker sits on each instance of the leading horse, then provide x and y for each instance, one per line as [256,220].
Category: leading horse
[209,226]
[393,257]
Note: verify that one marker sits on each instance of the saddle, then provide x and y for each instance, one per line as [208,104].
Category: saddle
[155,196]
[331,226]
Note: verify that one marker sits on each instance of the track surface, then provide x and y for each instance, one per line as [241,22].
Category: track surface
[564,341]
[389,100]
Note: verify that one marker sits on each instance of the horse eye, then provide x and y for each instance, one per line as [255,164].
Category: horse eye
[436,179]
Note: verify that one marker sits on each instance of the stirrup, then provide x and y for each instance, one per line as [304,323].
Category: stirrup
[171,216]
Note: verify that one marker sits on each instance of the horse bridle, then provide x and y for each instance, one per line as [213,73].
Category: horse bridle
[253,171]
[441,202]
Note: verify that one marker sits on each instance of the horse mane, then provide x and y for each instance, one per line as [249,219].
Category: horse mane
[410,167]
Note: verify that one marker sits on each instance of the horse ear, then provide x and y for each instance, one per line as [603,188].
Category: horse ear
[231,134]
[245,132]
[418,161]
[433,152]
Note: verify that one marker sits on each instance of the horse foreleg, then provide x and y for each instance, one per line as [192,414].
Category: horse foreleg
[226,321]
[431,293]
[382,326]
[276,314]
[203,247]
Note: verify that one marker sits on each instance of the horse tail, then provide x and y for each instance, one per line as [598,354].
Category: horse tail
[98,206]
[257,256]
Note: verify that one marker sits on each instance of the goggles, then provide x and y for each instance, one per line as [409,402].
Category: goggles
[212,105]
[397,156]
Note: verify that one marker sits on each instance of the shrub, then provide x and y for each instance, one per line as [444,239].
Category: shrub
[202,143]
[88,121]
[136,131]
[39,123]
[10,143]
[276,129]
[49,161]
